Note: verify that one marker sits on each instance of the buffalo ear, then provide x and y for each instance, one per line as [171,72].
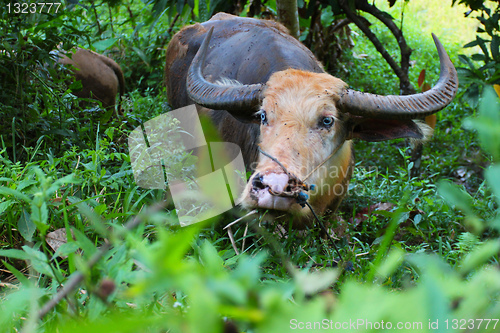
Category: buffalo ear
[373,129]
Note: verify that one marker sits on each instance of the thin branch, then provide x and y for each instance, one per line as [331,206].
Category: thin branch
[244,238]
[314,16]
[169,31]
[241,218]
[97,19]
[111,20]
[78,277]
[233,242]
[73,282]
[340,24]
[398,34]
[323,229]
[399,71]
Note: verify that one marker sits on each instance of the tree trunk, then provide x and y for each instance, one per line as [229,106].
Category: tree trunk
[288,15]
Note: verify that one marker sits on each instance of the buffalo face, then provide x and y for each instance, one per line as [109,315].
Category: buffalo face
[300,127]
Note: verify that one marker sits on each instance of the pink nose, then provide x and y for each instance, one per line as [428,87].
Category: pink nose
[262,198]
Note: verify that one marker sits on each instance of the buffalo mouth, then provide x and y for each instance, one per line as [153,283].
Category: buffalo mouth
[263,192]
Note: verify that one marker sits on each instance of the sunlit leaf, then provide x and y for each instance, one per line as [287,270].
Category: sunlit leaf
[480,255]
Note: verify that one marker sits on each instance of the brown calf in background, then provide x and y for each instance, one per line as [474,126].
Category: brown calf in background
[102,78]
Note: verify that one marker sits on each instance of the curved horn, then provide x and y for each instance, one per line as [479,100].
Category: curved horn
[408,106]
[220,97]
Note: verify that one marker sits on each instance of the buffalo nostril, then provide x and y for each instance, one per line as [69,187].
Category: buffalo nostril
[257,182]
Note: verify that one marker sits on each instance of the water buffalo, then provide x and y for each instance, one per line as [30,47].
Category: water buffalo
[245,71]
[101,77]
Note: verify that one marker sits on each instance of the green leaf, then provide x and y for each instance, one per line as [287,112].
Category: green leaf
[15,305]
[20,276]
[455,196]
[437,301]
[94,217]
[107,116]
[84,243]
[480,255]
[312,283]
[25,226]
[25,183]
[5,205]
[100,209]
[229,289]
[14,253]
[110,132]
[495,47]
[492,175]
[141,55]
[488,123]
[76,85]
[495,223]
[39,216]
[66,249]
[391,263]
[38,261]
[466,61]
[211,260]
[478,57]
[203,305]
[69,179]
[8,191]
[104,44]
[248,269]
[471,44]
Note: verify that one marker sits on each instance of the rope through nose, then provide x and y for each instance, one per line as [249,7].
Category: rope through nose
[302,197]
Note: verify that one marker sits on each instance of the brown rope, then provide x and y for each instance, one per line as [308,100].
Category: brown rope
[301,197]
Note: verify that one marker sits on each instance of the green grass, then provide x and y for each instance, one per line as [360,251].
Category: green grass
[452,153]
[423,17]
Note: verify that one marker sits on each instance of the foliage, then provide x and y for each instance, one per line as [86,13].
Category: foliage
[475,4]
[159,277]
[424,260]
[488,40]
[31,106]
[35,98]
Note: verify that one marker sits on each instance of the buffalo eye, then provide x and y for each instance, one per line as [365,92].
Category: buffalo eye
[326,122]
[263,118]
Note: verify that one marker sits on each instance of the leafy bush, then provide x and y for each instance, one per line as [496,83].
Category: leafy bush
[31,106]
[488,41]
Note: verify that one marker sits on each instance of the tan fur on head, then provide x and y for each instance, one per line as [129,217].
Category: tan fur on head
[297,98]
[307,84]
[295,102]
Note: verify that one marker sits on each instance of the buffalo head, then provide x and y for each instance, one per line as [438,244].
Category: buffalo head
[307,117]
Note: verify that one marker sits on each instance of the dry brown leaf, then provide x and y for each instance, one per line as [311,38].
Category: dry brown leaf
[364,213]
[57,238]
